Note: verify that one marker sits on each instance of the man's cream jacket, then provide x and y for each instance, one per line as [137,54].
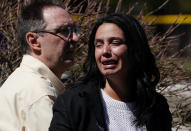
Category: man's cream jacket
[27,97]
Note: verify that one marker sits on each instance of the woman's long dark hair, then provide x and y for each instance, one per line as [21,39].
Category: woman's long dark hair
[144,72]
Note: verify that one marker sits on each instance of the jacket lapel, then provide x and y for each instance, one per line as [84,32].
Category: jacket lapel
[95,103]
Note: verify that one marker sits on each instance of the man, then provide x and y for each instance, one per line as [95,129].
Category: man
[48,35]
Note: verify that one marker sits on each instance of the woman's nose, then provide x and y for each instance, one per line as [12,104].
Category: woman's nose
[106,51]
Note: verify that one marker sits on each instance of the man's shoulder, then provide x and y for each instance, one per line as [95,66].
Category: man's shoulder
[23,79]
[26,86]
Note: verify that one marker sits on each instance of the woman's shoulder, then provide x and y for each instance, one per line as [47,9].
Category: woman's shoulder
[161,118]
[162,109]
[161,101]
[79,89]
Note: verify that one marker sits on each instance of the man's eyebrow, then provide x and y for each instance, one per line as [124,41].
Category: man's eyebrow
[66,24]
[62,26]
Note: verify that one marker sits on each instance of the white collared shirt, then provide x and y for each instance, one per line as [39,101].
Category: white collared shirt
[27,97]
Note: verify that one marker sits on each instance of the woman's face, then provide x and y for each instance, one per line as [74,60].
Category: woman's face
[111,51]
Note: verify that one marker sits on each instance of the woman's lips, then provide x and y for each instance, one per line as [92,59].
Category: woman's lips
[109,64]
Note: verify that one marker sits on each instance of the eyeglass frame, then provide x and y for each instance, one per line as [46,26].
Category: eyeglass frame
[71,30]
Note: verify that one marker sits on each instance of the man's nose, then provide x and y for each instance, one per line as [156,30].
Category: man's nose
[75,37]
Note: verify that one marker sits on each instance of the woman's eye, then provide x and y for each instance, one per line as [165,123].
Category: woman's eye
[98,44]
[116,42]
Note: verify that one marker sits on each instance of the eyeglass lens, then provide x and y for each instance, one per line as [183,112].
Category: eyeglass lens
[68,31]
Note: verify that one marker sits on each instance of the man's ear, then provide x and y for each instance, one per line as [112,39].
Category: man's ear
[32,40]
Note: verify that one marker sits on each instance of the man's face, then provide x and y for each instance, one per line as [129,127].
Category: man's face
[57,51]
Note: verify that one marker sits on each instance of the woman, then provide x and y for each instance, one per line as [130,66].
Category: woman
[118,91]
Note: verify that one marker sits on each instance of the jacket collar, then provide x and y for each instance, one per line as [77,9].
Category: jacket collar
[38,67]
[95,103]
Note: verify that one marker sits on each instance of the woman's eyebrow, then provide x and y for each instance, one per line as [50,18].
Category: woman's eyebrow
[116,38]
[98,40]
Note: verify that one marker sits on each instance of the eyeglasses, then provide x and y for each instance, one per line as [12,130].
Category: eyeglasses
[66,31]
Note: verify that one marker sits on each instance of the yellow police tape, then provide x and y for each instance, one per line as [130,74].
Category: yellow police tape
[168,19]
[154,19]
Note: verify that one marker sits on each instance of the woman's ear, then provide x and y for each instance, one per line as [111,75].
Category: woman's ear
[32,40]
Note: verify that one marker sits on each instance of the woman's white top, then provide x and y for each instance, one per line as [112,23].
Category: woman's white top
[119,115]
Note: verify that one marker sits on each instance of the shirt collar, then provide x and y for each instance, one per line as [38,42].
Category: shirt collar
[39,67]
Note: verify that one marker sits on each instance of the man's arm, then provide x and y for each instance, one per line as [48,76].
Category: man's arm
[9,113]
[17,117]
[39,115]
